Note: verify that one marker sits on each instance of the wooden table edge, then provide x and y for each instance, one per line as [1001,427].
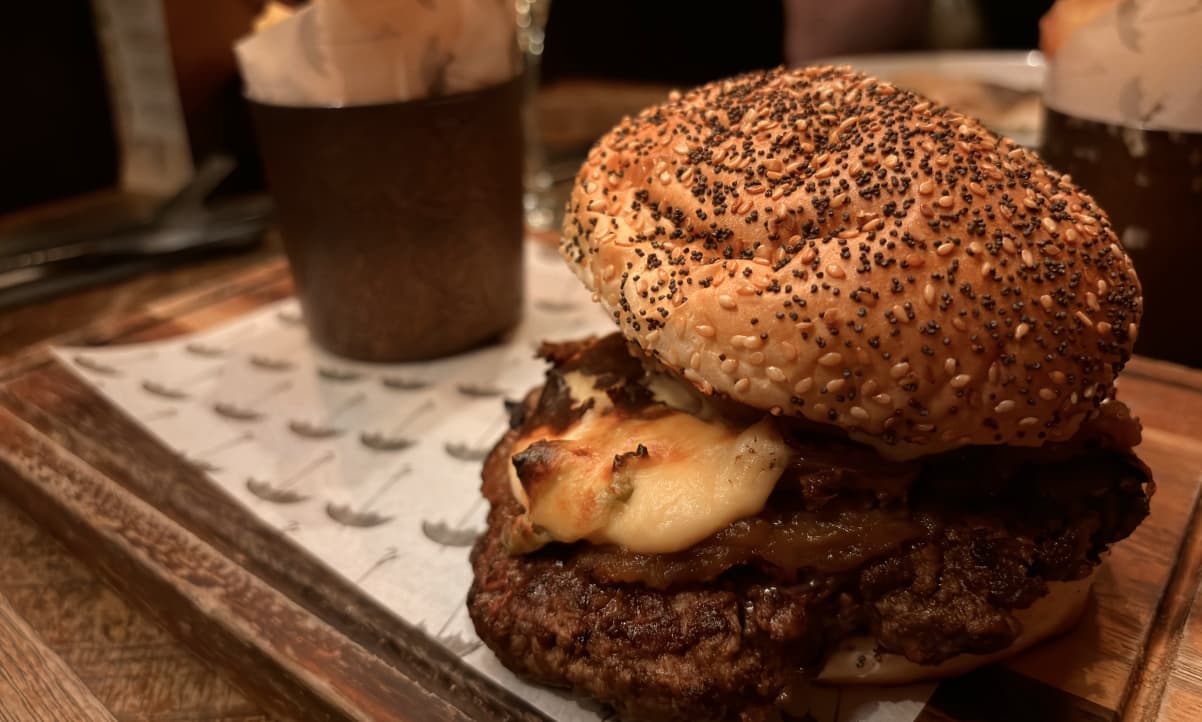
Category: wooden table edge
[260,275]
[36,682]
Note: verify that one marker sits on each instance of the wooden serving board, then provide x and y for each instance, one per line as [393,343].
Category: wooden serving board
[309,645]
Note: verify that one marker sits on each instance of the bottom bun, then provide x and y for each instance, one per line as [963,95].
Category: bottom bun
[856,660]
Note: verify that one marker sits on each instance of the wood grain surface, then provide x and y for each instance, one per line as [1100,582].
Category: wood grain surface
[302,667]
[35,685]
[1182,697]
[134,667]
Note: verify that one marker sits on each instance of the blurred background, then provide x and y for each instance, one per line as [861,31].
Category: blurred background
[127,146]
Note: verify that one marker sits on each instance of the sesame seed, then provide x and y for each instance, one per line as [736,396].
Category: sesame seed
[949,366]
[926,187]
[1022,330]
[1084,318]
[945,201]
[729,366]
[705,330]
[831,358]
[1047,394]
[788,349]
[803,385]
[1028,257]
[891,162]
[681,148]
[1103,327]
[775,374]
[874,224]
[727,302]
[944,249]
[1049,225]
[859,413]
[1092,301]
[960,381]
[899,370]
[756,358]
[743,385]
[834,386]
[1046,301]
[1058,377]
[883,399]
[928,294]
[1028,421]
[835,272]
[1004,407]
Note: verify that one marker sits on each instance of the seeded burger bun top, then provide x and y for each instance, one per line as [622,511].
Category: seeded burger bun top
[821,244]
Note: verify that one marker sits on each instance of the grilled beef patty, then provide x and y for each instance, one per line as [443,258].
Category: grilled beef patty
[929,557]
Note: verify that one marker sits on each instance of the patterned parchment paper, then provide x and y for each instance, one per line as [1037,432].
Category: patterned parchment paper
[374,469]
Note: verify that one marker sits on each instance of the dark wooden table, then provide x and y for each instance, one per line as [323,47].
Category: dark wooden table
[70,647]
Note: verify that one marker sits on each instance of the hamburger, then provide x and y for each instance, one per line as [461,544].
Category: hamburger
[857,423]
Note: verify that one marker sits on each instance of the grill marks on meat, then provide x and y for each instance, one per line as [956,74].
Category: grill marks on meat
[916,554]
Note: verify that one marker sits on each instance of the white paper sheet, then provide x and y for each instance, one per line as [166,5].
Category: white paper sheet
[375,469]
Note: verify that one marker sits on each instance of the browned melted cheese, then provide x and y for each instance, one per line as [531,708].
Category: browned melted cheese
[654,482]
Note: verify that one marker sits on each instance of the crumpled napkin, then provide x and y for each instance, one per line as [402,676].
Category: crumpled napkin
[355,52]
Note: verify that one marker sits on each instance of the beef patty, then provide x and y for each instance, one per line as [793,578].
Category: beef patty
[914,554]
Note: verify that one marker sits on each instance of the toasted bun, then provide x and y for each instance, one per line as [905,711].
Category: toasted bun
[857,661]
[818,243]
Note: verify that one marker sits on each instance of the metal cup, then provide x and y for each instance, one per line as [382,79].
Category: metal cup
[402,222]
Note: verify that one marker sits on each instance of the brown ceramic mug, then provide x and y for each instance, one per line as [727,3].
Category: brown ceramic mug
[403,221]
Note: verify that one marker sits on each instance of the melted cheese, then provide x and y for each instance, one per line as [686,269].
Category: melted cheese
[696,476]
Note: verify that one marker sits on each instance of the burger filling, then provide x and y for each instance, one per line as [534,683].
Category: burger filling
[640,481]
